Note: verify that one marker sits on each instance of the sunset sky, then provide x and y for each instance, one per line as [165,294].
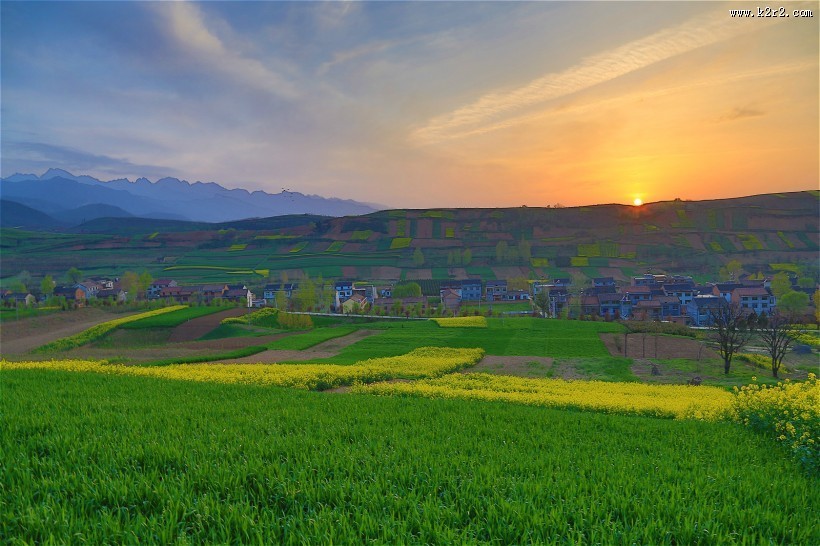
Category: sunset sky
[418,104]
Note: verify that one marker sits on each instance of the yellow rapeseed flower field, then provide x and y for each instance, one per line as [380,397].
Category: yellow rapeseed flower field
[419,363]
[461,322]
[671,401]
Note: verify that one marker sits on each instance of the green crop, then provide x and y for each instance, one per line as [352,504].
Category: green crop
[97,459]
[171,320]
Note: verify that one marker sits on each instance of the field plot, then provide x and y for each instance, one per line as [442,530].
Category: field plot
[515,337]
[173,463]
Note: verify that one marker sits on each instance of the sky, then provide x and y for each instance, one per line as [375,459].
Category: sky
[418,104]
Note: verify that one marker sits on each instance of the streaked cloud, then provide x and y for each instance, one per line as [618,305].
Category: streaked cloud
[695,33]
[186,24]
[741,113]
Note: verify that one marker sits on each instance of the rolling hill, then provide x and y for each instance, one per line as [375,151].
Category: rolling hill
[763,232]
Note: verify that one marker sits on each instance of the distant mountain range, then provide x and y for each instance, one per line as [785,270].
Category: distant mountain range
[60,199]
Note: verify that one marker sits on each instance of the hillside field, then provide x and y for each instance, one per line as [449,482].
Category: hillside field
[689,237]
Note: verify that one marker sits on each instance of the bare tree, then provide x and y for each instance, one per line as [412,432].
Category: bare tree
[776,336]
[731,330]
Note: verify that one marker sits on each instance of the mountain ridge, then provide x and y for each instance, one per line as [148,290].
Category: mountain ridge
[169,197]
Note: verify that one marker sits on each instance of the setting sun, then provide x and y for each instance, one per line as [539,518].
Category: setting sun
[637,202]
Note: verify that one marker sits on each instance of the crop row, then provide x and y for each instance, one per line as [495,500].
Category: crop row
[666,401]
[420,363]
[99,330]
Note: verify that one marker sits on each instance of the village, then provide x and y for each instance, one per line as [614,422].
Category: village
[647,297]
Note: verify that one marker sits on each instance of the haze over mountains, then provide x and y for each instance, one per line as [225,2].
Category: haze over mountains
[59,198]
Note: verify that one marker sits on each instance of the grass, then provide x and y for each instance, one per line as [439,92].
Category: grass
[113,459]
[228,355]
[603,368]
[237,330]
[513,337]
[300,342]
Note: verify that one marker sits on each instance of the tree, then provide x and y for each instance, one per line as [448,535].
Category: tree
[305,298]
[806,282]
[780,284]
[74,275]
[407,290]
[25,280]
[501,251]
[144,281]
[418,257]
[467,257]
[793,303]
[524,250]
[542,302]
[731,330]
[731,270]
[776,336]
[130,282]
[47,286]
[817,306]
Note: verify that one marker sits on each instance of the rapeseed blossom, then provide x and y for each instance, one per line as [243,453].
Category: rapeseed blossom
[419,363]
[461,322]
[669,401]
[788,411]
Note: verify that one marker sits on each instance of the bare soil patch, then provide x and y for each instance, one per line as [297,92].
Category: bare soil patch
[198,327]
[18,337]
[386,272]
[654,346]
[424,228]
[416,274]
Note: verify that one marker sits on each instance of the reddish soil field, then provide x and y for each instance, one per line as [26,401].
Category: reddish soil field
[18,337]
[424,228]
[198,327]
[651,346]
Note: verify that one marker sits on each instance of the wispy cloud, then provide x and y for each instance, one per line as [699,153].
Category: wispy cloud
[741,113]
[186,25]
[583,106]
[695,33]
[340,57]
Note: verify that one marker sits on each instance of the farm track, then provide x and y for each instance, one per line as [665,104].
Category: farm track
[326,349]
[198,327]
[18,337]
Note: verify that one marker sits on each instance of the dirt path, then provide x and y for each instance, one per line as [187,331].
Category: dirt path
[327,349]
[19,337]
[198,327]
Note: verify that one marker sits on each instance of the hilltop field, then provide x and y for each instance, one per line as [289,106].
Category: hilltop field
[191,425]
[689,237]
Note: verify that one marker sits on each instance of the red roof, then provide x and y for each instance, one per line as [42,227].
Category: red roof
[750,291]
